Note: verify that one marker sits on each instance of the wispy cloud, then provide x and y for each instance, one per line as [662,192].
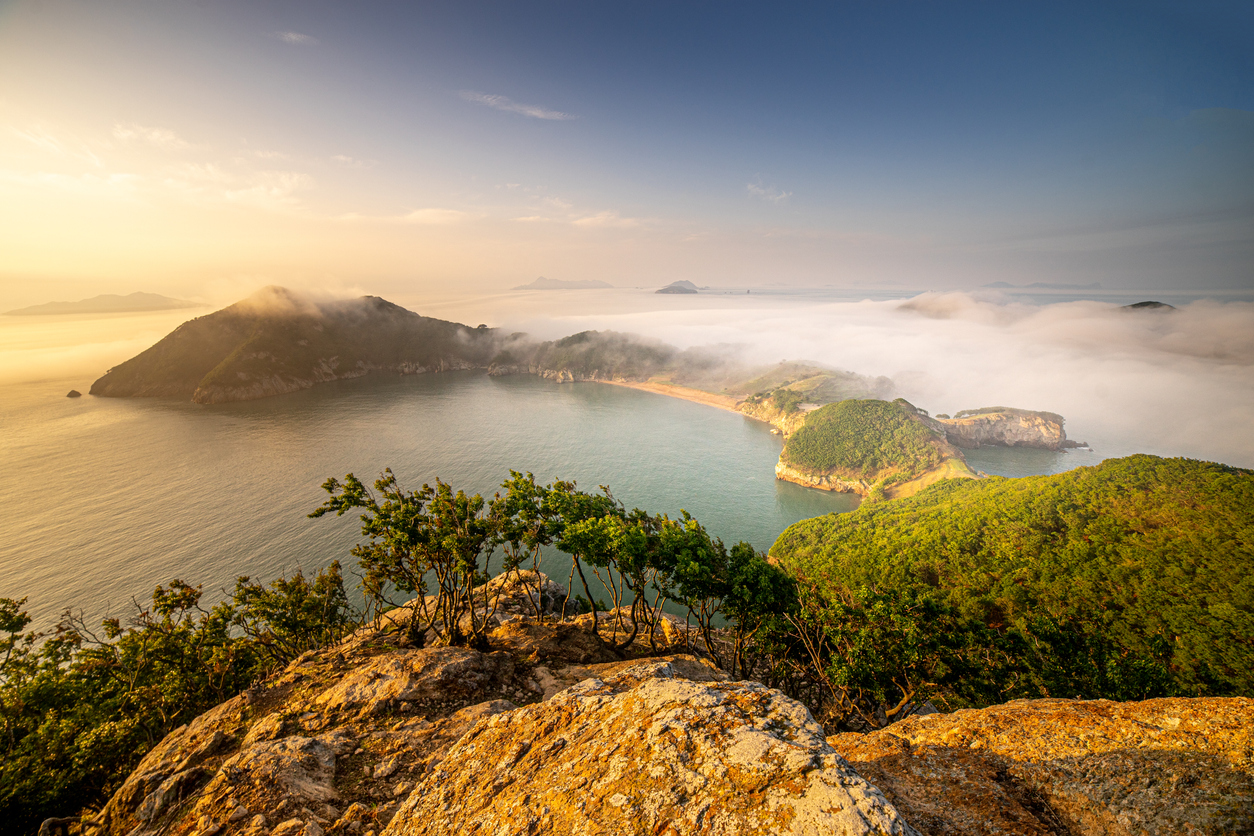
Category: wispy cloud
[160,137]
[274,191]
[608,220]
[47,142]
[770,194]
[351,162]
[510,106]
[297,39]
[431,216]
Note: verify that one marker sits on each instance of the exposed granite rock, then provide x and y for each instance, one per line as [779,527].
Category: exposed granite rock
[1006,427]
[786,422]
[822,481]
[1166,766]
[646,751]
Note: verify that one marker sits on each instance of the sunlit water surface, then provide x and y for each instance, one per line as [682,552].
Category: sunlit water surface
[101,499]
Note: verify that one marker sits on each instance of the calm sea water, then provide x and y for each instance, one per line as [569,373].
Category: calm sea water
[101,499]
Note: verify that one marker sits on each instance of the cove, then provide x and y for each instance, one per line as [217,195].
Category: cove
[105,498]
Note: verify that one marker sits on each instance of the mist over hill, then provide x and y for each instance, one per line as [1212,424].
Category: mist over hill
[276,341]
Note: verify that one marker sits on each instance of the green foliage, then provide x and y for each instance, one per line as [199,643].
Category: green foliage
[863,438]
[432,533]
[607,354]
[80,707]
[787,400]
[1125,580]
[875,653]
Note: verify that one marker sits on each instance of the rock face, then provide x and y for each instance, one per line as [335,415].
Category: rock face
[1006,427]
[552,733]
[646,751]
[822,481]
[1166,766]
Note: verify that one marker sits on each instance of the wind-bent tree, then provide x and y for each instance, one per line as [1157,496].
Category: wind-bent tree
[432,532]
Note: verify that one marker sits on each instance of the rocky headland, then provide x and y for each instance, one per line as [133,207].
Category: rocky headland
[1001,426]
[549,732]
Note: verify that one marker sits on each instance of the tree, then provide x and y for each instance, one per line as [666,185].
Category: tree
[434,532]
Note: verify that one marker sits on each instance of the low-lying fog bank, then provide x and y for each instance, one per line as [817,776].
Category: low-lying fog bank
[1171,382]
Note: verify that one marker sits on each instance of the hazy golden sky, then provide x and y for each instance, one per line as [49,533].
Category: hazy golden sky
[205,149]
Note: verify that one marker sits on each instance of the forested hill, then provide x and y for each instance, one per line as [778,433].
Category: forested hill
[871,447]
[1142,566]
[276,341]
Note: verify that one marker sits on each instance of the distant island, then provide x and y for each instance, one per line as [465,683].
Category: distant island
[107,303]
[678,287]
[563,284]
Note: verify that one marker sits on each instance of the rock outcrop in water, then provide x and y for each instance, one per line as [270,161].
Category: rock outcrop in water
[551,733]
[1002,426]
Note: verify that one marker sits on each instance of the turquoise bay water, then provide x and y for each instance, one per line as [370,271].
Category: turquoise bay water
[101,499]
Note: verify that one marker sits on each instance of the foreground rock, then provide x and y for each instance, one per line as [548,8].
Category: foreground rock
[335,742]
[646,751]
[1166,766]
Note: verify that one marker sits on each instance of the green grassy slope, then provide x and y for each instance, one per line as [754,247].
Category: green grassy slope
[864,438]
[1155,555]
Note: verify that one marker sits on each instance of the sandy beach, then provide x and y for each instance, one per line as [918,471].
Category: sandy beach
[694,395]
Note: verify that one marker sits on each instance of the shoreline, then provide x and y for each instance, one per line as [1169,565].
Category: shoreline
[683,393]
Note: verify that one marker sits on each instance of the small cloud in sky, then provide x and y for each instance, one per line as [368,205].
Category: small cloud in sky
[770,194]
[607,219]
[160,137]
[434,216]
[424,217]
[532,219]
[351,162]
[51,144]
[510,106]
[297,39]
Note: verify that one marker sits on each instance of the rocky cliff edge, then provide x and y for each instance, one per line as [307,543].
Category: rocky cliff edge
[552,733]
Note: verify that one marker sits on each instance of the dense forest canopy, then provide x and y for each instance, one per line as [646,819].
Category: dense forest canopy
[1151,556]
[864,438]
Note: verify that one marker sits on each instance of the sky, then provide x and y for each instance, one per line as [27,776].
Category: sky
[203,149]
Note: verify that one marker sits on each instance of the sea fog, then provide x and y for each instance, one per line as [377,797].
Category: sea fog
[1173,382]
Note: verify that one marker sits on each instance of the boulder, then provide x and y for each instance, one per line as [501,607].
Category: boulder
[645,751]
[1165,766]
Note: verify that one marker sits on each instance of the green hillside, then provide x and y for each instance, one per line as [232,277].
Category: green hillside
[1134,563]
[864,438]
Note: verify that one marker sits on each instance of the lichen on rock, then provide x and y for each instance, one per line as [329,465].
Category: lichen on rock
[646,751]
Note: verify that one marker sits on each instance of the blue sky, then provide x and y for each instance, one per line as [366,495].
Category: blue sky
[477,145]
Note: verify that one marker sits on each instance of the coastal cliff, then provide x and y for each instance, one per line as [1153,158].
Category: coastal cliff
[1002,426]
[551,733]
